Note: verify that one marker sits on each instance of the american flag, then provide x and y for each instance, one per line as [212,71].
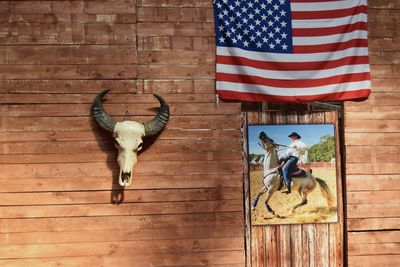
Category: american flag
[291,51]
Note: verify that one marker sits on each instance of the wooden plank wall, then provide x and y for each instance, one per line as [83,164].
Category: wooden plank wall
[318,244]
[58,168]
[372,134]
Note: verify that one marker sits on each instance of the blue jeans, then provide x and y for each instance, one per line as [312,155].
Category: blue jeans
[290,166]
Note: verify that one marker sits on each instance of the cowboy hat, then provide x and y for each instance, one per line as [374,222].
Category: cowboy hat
[294,134]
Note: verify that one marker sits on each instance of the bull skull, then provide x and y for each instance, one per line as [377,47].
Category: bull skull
[128,134]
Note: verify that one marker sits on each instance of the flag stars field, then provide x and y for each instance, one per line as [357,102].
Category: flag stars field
[255,20]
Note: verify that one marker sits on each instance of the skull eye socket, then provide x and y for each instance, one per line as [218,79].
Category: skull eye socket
[116,144]
[140,146]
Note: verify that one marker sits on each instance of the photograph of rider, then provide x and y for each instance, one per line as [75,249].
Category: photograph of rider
[294,154]
[307,155]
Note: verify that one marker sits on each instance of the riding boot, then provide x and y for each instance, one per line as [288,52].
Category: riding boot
[281,185]
[288,191]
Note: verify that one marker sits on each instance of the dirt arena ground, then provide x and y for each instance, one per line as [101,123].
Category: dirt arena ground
[316,209]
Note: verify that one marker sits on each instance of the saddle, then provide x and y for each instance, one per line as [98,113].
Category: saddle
[298,173]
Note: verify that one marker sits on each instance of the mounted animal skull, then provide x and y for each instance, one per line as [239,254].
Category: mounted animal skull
[128,134]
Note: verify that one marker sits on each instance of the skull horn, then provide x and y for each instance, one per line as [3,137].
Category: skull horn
[98,112]
[155,125]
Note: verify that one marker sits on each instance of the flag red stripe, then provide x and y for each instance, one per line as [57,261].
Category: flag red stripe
[301,32]
[291,66]
[286,84]
[330,47]
[328,14]
[253,97]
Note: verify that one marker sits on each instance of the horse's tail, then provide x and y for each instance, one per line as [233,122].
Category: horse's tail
[325,191]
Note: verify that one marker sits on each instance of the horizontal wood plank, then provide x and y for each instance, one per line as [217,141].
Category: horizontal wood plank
[374,237]
[372,197]
[373,182]
[46,87]
[376,168]
[110,98]
[213,259]
[168,146]
[377,154]
[66,55]
[383,210]
[373,224]
[374,249]
[130,196]
[121,235]
[62,72]
[171,14]
[110,183]
[120,248]
[101,169]
[378,100]
[175,3]
[176,57]
[377,139]
[119,222]
[65,136]
[34,33]
[372,126]
[66,18]
[79,110]
[111,156]
[158,71]
[88,123]
[374,260]
[203,29]
[127,209]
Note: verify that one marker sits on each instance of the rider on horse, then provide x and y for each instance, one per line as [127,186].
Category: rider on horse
[296,152]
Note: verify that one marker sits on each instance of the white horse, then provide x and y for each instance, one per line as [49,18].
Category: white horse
[272,178]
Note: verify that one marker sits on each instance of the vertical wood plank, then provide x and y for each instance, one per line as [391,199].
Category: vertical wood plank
[270,239]
[284,249]
[246,189]
[296,245]
[308,244]
[258,246]
[322,243]
[336,231]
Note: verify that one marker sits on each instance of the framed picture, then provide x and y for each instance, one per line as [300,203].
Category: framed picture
[292,173]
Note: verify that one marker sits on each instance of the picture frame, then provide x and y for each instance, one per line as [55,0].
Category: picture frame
[313,194]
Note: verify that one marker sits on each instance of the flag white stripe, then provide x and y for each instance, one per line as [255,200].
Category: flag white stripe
[260,89]
[292,75]
[329,39]
[326,23]
[313,6]
[278,57]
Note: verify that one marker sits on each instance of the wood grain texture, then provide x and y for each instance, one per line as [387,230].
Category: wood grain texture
[372,145]
[64,52]
[60,199]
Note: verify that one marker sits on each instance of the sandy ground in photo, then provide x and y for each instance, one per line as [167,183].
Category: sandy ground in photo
[316,210]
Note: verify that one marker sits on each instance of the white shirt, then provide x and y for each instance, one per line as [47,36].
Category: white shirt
[297,149]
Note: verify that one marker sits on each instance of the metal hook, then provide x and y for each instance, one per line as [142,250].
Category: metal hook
[126,113]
